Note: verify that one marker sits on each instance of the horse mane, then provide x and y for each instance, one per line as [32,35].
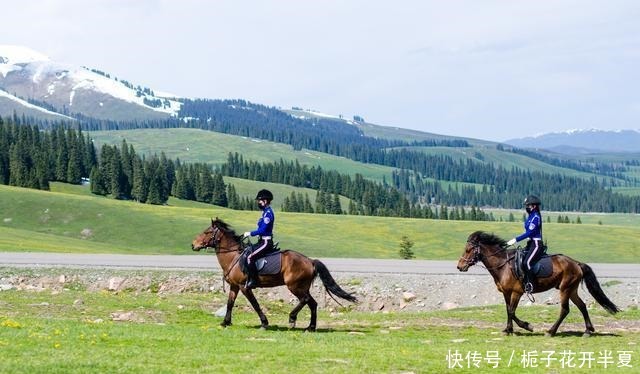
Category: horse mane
[488,239]
[226,228]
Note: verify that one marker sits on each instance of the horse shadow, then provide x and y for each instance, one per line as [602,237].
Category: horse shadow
[568,334]
[302,329]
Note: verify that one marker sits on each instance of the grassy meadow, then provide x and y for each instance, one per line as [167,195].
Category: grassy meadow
[73,220]
[192,145]
[75,331]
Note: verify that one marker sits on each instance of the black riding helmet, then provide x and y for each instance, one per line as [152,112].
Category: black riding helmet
[532,200]
[264,195]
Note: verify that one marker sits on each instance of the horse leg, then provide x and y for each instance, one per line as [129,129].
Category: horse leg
[507,300]
[564,310]
[233,294]
[304,298]
[254,303]
[585,314]
[515,300]
[293,316]
[313,306]
[512,299]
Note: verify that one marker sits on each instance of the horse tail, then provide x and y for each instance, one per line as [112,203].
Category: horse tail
[589,277]
[330,284]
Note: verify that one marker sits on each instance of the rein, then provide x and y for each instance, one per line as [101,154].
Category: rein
[477,257]
[215,243]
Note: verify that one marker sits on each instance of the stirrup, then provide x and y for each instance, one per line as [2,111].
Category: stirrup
[528,287]
[251,283]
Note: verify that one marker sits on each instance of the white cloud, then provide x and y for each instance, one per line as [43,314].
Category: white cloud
[495,69]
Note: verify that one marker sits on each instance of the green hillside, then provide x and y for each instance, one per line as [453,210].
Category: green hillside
[192,145]
[213,147]
[33,220]
[507,160]
[389,132]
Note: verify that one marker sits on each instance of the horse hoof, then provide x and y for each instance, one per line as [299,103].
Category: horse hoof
[549,334]
[528,327]
[310,329]
[507,332]
[292,325]
[225,324]
[586,334]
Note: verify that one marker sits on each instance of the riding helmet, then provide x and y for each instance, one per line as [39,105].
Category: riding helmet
[532,200]
[264,195]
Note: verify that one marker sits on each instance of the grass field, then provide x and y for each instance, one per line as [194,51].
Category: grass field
[34,220]
[74,331]
[212,147]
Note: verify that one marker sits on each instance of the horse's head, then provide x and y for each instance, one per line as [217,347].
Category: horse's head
[206,239]
[212,236]
[473,250]
[471,254]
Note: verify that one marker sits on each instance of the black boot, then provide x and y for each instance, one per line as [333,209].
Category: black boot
[252,277]
[528,282]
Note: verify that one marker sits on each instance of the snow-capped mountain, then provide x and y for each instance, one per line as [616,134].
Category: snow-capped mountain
[52,89]
[583,141]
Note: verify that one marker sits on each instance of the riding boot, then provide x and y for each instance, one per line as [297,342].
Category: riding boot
[252,276]
[528,281]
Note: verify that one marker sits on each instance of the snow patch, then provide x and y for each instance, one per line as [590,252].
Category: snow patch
[15,54]
[28,104]
[41,68]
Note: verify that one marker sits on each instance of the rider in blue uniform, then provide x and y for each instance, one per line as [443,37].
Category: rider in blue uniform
[264,246]
[533,232]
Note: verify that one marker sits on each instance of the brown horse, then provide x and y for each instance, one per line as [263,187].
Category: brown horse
[297,272]
[566,277]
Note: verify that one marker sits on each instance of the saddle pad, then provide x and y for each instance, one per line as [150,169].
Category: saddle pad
[544,267]
[270,264]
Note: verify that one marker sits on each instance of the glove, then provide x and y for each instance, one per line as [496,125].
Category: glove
[246,234]
[512,241]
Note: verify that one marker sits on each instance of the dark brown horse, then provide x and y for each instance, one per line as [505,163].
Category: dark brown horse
[566,277]
[297,272]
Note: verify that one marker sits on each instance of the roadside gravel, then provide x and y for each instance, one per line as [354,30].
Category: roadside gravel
[376,292]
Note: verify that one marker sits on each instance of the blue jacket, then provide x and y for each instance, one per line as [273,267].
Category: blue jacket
[265,223]
[532,227]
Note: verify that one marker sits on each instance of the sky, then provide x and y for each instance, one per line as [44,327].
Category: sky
[485,69]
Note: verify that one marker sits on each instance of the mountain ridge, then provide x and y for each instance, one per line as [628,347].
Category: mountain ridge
[29,76]
[584,141]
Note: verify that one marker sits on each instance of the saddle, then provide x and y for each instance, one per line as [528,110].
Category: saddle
[269,264]
[541,269]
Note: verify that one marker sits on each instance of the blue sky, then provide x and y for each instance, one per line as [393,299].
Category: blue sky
[492,70]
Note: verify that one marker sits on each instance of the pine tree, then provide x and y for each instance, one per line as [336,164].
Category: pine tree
[219,191]
[140,184]
[337,207]
[405,248]
[96,182]
[204,186]
[74,166]
[308,208]
[234,201]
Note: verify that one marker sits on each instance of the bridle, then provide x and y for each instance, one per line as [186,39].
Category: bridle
[214,242]
[477,256]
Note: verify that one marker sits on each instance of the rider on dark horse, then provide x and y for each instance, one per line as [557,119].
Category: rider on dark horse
[533,231]
[264,246]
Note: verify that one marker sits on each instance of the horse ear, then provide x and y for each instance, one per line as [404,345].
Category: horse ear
[211,221]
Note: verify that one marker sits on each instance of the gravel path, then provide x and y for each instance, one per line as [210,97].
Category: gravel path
[376,292]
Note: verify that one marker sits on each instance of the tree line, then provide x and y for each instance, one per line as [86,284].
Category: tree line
[32,158]
[485,183]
